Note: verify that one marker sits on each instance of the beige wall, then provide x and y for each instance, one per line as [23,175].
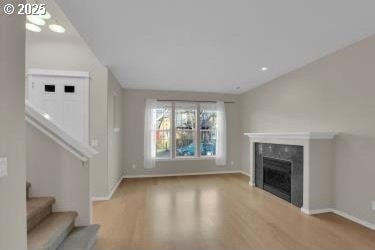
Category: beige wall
[115,129]
[134,105]
[335,93]
[12,131]
[68,51]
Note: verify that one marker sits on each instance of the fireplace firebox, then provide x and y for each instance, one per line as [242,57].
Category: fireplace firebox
[277,177]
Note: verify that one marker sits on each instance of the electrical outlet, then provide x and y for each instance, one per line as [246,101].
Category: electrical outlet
[373,205]
[3,167]
[134,166]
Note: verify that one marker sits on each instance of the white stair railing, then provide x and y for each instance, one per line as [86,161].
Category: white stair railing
[43,122]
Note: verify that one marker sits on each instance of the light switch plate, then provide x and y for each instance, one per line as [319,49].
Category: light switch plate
[373,205]
[3,167]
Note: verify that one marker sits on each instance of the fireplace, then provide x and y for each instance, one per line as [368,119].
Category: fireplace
[279,170]
[277,177]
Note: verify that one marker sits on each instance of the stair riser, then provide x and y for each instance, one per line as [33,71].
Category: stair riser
[36,219]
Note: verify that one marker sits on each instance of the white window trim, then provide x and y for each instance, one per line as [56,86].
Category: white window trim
[197,139]
[184,158]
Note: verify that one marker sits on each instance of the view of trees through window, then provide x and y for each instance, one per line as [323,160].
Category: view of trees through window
[186,117]
[208,120]
[186,131]
[163,132]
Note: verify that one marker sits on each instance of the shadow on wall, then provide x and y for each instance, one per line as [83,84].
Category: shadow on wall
[354,172]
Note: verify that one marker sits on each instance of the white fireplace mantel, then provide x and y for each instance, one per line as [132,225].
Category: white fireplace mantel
[317,164]
[294,135]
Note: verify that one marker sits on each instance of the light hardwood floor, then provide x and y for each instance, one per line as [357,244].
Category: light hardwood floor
[215,212]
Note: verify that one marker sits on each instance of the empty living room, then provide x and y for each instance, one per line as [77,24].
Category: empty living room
[187,125]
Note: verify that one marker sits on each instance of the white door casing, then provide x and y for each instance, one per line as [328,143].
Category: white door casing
[64,96]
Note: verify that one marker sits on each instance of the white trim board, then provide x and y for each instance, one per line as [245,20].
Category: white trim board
[108,197]
[340,213]
[185,174]
[244,173]
[48,72]
[316,211]
[294,135]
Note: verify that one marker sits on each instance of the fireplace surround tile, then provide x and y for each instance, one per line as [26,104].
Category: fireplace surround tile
[292,153]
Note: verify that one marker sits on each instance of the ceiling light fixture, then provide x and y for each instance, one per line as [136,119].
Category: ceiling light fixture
[47,116]
[46,16]
[33,27]
[264,68]
[36,20]
[57,28]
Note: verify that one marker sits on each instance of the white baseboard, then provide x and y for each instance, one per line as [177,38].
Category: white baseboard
[355,219]
[340,213]
[108,197]
[316,211]
[244,173]
[184,174]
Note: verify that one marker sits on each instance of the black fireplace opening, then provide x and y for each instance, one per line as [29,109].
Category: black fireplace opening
[277,177]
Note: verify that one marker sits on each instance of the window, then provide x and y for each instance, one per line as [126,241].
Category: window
[163,129]
[49,88]
[69,89]
[208,129]
[186,128]
[183,130]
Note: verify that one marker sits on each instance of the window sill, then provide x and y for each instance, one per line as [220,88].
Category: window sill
[186,159]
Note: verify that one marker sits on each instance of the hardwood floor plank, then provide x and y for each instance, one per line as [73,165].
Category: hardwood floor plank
[215,212]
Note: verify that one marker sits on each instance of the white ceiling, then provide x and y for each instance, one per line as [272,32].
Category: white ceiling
[215,45]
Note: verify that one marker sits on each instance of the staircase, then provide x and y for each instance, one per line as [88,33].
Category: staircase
[47,230]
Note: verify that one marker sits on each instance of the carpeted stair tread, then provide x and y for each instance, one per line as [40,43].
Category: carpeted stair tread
[38,209]
[51,232]
[81,238]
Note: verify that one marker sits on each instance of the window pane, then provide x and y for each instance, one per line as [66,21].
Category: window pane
[163,121]
[162,128]
[208,142]
[163,144]
[185,116]
[208,119]
[185,145]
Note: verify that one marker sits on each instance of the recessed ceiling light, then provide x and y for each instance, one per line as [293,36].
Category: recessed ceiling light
[36,20]
[33,27]
[47,116]
[46,16]
[57,28]
[264,68]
